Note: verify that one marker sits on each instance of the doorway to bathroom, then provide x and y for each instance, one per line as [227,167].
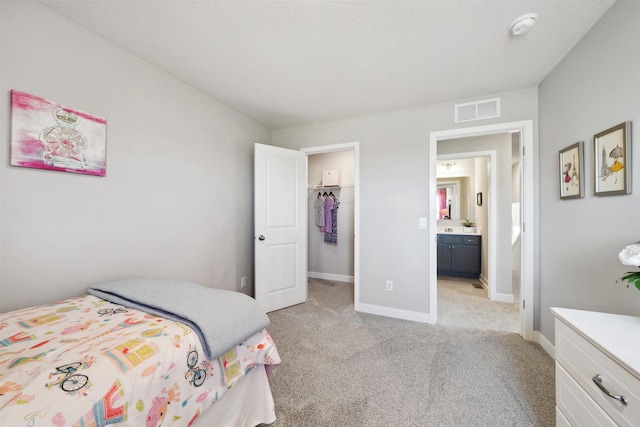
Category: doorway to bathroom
[499,241]
[465,294]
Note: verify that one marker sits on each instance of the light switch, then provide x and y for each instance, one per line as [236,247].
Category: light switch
[422,223]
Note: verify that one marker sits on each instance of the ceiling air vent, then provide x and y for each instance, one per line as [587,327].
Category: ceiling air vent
[480,110]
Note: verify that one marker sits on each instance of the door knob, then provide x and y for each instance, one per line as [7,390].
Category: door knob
[261,237]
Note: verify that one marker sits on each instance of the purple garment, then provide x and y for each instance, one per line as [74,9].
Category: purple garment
[331,236]
[328,205]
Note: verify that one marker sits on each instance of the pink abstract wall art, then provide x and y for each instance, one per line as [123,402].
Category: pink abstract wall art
[46,135]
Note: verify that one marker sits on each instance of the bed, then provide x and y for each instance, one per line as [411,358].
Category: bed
[139,352]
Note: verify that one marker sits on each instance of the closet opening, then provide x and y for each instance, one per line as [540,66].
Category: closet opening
[332,218]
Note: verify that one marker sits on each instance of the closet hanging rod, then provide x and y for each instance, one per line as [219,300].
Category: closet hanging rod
[337,187]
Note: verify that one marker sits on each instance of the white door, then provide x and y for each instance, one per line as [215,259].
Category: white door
[280,181]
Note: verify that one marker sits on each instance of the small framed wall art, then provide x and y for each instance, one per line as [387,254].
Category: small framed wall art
[571,166]
[612,160]
[47,135]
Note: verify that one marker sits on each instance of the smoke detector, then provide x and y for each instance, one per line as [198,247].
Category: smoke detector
[523,24]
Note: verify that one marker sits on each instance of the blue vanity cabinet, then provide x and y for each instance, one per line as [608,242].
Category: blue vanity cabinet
[459,255]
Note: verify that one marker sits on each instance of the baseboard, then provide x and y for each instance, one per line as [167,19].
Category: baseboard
[545,344]
[329,276]
[503,297]
[396,313]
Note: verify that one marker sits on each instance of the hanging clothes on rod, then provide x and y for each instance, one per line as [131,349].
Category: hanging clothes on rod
[331,223]
[319,206]
[328,205]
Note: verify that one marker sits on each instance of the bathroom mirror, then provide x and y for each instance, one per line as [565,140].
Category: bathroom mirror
[452,198]
[447,199]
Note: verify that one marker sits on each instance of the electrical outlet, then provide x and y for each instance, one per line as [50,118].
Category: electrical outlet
[389,285]
[243,282]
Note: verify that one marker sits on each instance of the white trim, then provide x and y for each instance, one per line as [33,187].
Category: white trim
[329,276]
[331,148]
[545,344]
[503,297]
[528,210]
[414,316]
[355,146]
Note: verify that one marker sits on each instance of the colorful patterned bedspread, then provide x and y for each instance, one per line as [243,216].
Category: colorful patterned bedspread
[88,362]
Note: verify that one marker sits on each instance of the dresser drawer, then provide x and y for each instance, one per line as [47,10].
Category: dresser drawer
[561,420]
[583,361]
[575,404]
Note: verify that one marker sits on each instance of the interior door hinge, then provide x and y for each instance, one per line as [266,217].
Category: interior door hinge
[523,151]
[523,304]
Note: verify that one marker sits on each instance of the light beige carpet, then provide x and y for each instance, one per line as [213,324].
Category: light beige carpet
[342,368]
[461,305]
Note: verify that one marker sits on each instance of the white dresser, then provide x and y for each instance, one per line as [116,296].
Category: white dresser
[597,368]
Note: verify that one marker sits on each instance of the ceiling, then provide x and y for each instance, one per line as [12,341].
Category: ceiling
[287,63]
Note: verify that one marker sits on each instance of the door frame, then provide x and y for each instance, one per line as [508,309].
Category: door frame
[348,146]
[528,224]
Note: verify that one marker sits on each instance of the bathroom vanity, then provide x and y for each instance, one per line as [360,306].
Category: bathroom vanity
[459,254]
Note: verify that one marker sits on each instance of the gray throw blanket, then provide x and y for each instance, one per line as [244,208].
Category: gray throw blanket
[222,319]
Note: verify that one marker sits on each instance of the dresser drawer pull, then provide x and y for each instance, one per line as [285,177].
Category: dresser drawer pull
[598,380]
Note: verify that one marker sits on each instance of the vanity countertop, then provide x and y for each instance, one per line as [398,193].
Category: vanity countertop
[458,230]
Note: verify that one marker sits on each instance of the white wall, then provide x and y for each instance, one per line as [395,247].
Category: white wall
[326,258]
[394,189]
[515,185]
[176,201]
[482,212]
[596,86]
[516,253]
